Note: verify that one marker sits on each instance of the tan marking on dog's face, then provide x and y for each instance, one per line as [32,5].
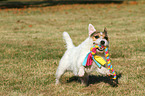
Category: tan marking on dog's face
[97,35]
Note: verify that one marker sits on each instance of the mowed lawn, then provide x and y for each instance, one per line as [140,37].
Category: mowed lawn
[31,46]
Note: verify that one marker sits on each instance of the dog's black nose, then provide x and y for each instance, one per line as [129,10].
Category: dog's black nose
[102,42]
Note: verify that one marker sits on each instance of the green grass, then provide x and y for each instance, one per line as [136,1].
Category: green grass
[31,46]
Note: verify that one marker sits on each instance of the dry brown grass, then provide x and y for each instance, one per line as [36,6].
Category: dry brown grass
[31,46]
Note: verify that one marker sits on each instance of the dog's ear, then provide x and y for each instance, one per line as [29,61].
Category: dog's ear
[105,31]
[91,29]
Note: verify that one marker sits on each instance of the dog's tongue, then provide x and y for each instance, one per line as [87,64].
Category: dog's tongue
[102,47]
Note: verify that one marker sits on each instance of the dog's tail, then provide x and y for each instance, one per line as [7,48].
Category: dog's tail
[68,40]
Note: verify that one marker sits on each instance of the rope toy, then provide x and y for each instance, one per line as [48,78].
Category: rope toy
[91,56]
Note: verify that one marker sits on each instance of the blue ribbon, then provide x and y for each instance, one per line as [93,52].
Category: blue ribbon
[85,60]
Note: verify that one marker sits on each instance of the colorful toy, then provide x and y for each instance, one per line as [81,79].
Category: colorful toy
[91,56]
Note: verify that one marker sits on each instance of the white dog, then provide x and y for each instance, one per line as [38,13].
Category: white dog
[74,56]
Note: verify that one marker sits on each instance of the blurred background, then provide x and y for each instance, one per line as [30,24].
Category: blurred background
[40,3]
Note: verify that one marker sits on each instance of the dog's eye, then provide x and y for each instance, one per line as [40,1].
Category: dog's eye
[106,38]
[96,37]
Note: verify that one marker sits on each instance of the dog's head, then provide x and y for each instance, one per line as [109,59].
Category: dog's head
[100,38]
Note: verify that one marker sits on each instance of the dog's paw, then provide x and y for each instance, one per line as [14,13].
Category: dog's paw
[114,83]
[110,74]
[81,72]
[57,82]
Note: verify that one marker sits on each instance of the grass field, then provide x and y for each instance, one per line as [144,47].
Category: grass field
[31,46]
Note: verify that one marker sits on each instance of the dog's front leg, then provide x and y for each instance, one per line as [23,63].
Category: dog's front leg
[81,71]
[85,79]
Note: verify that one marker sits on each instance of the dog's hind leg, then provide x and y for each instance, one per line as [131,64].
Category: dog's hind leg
[59,73]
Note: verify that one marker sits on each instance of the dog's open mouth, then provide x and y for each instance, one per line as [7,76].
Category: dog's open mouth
[100,49]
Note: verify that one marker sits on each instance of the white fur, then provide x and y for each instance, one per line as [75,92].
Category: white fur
[74,56]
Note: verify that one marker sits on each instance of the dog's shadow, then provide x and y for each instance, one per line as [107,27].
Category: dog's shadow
[97,79]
